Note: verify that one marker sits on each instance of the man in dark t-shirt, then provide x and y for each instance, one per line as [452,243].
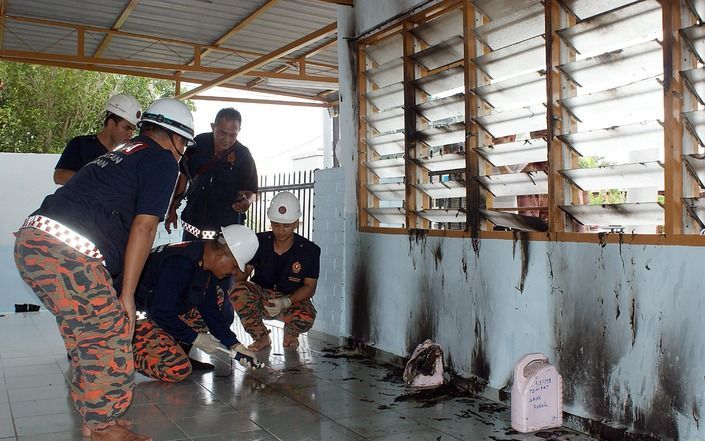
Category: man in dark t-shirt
[222,180]
[122,112]
[286,269]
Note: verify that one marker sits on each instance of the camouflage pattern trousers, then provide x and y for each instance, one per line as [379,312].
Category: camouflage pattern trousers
[78,290]
[158,355]
[248,300]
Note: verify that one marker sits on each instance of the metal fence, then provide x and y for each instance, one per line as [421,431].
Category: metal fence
[300,183]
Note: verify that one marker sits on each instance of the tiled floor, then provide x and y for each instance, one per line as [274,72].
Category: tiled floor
[312,394]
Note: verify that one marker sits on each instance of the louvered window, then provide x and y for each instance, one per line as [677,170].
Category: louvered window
[511,114]
[382,133]
[536,115]
[611,66]
[693,74]
[436,166]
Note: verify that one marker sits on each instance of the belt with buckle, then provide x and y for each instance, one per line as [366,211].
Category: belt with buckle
[64,234]
[195,231]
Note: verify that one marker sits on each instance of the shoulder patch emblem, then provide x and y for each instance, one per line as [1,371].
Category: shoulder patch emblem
[296,267]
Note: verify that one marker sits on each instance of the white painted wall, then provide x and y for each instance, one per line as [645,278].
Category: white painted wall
[26,179]
[623,323]
[329,227]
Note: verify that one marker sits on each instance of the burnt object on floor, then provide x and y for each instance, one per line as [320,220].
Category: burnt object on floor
[425,367]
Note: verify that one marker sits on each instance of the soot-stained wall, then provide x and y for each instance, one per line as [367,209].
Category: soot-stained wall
[624,327]
[622,323]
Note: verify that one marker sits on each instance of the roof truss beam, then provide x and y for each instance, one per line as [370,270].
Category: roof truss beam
[340,2]
[118,24]
[175,77]
[237,28]
[265,59]
[165,41]
[10,55]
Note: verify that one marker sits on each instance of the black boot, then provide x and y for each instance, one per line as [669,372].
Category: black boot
[195,364]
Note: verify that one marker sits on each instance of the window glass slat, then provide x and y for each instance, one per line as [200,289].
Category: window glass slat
[630,24]
[636,214]
[514,184]
[519,152]
[640,175]
[521,25]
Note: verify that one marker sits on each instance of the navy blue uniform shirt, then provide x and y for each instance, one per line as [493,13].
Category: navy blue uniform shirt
[302,261]
[80,151]
[210,195]
[102,199]
[173,282]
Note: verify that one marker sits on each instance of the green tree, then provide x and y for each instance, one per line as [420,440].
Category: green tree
[41,107]
[613,196]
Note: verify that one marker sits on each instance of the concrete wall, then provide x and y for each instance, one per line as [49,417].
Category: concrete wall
[26,179]
[329,225]
[622,323]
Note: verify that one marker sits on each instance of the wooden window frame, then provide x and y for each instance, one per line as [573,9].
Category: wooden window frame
[675,175]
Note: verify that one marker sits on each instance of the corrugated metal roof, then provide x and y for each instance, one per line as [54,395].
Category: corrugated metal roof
[161,38]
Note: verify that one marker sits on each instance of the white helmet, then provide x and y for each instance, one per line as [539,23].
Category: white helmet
[171,114]
[126,107]
[285,208]
[242,242]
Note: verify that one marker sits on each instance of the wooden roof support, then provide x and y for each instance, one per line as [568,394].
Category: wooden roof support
[3,11]
[259,101]
[141,73]
[163,40]
[235,29]
[340,2]
[303,57]
[259,80]
[10,55]
[265,59]
[116,26]
[319,49]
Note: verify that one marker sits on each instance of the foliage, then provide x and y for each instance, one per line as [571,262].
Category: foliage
[42,107]
[613,196]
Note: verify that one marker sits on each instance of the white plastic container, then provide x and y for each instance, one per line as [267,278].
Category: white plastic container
[537,395]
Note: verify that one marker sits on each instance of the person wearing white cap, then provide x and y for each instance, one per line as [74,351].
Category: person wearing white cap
[122,112]
[179,291]
[100,224]
[286,274]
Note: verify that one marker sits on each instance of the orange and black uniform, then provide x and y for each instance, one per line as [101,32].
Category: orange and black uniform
[180,299]
[99,203]
[278,276]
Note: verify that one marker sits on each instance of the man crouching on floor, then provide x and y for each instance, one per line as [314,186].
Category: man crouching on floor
[286,274]
[182,289]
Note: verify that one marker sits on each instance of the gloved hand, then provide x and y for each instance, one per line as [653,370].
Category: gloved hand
[245,357]
[206,342]
[275,306]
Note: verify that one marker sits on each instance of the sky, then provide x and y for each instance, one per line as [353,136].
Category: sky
[274,134]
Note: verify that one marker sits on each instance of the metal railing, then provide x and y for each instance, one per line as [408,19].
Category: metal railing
[298,182]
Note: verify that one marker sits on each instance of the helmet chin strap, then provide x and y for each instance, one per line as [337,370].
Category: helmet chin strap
[174,144]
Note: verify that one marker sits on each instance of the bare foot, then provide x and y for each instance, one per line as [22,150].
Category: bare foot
[260,343]
[86,431]
[291,341]
[117,432]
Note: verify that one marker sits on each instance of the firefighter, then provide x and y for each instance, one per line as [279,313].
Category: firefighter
[222,180]
[180,289]
[102,223]
[122,112]
[286,274]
